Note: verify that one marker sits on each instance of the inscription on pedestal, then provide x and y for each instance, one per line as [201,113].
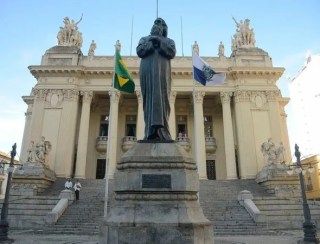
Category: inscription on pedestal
[156,181]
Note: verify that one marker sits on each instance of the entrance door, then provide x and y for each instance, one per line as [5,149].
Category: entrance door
[211,169]
[101,168]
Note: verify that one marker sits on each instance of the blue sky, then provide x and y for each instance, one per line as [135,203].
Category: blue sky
[286,29]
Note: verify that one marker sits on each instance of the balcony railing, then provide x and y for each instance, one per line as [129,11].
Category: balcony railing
[211,144]
[184,142]
[128,142]
[102,144]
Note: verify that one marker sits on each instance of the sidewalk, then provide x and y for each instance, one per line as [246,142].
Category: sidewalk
[28,237]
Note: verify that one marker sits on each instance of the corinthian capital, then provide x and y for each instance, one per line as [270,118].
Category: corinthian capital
[139,96]
[242,96]
[198,96]
[114,95]
[225,97]
[40,94]
[86,96]
[273,95]
[70,94]
[173,95]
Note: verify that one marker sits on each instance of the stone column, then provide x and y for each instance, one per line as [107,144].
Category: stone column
[67,133]
[29,100]
[83,135]
[274,113]
[245,135]
[140,119]
[172,117]
[38,113]
[228,136]
[199,140]
[112,133]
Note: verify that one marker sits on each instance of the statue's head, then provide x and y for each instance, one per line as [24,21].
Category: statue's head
[159,28]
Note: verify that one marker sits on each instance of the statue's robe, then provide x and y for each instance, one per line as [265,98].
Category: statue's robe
[155,82]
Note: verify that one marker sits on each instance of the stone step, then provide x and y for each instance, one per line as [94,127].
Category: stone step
[69,232]
[31,201]
[30,212]
[217,198]
[237,233]
[233,223]
[276,202]
[17,207]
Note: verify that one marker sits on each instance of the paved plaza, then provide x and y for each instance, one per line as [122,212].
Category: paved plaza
[28,237]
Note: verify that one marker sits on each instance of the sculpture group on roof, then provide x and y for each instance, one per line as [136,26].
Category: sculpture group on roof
[69,35]
[244,36]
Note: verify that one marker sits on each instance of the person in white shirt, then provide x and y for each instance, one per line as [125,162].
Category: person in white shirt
[77,187]
[68,184]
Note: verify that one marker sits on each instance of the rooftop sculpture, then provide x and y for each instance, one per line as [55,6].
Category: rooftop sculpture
[244,36]
[69,34]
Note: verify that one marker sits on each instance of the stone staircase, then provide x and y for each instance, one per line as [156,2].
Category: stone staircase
[29,211]
[217,198]
[283,213]
[83,217]
[220,205]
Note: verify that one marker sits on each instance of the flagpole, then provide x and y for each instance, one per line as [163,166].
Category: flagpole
[157,8]
[194,81]
[181,36]
[193,96]
[131,35]
[109,132]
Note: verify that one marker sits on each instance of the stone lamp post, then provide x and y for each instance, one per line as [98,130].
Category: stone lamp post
[4,225]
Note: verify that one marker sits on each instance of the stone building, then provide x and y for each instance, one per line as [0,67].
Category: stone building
[222,127]
[305,93]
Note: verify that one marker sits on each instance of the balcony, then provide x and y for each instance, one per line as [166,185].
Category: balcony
[184,142]
[102,144]
[211,144]
[128,142]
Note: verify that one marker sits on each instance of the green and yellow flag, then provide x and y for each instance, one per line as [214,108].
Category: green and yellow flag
[122,79]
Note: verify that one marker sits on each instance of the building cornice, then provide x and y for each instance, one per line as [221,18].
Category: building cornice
[237,73]
[234,73]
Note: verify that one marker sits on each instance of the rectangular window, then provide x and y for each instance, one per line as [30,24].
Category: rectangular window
[182,127]
[208,131]
[104,125]
[101,168]
[131,125]
[211,169]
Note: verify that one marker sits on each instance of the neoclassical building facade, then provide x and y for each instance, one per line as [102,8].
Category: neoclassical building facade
[91,125]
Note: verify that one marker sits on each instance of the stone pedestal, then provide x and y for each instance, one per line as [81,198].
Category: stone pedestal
[276,179]
[156,186]
[35,179]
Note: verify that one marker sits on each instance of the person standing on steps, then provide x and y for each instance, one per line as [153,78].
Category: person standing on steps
[77,187]
[68,184]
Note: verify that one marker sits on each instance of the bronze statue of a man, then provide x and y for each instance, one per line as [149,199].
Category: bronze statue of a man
[156,51]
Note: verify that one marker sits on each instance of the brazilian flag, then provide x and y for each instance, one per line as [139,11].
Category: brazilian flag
[122,79]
